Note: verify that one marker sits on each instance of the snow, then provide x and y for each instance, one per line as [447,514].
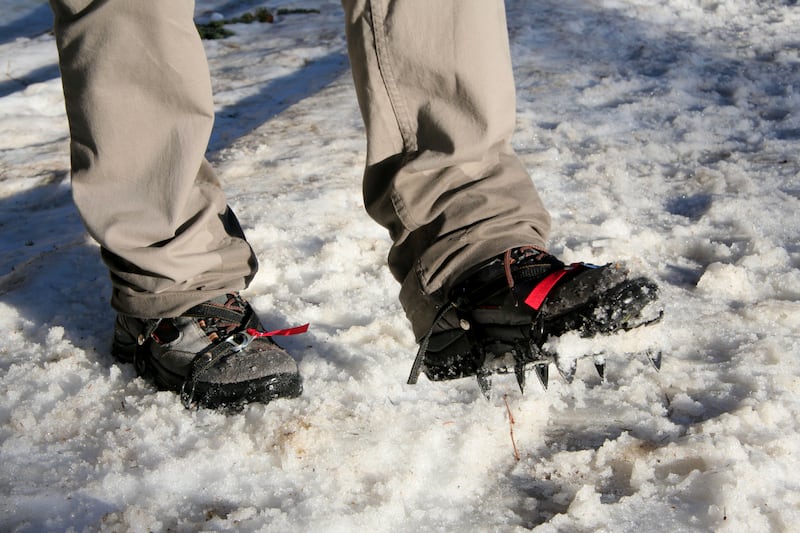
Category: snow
[662,133]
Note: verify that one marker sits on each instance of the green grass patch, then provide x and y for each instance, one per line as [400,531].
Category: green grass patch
[216,29]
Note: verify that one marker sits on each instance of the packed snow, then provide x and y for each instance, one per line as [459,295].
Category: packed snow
[663,133]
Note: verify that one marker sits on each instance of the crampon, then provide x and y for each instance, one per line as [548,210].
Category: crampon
[501,318]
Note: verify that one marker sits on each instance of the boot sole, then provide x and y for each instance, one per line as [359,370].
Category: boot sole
[232,396]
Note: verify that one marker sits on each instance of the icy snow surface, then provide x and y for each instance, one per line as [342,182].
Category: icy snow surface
[663,133]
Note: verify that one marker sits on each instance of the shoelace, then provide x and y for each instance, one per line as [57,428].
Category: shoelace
[216,326]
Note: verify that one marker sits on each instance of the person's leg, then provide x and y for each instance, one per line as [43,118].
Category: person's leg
[436,90]
[140,112]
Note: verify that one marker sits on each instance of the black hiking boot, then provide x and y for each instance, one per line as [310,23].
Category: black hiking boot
[216,355]
[502,312]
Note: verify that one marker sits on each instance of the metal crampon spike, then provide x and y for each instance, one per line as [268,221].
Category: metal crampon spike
[520,373]
[654,356]
[485,384]
[600,366]
[542,372]
[568,374]
[601,370]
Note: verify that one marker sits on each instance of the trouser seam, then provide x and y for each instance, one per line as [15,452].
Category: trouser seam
[399,107]
[389,81]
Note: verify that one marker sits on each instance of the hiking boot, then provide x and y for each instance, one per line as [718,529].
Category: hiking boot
[216,354]
[501,313]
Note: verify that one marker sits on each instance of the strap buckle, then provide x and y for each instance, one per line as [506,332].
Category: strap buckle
[239,341]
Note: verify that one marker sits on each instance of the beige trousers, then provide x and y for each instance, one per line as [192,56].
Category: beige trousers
[435,87]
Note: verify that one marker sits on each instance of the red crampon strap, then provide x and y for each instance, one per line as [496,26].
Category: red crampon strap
[537,296]
[277,332]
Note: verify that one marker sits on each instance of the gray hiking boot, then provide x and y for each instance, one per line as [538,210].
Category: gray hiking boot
[215,355]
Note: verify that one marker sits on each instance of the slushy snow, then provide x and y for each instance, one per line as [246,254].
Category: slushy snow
[661,133]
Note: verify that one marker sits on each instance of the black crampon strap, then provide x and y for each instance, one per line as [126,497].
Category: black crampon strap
[416,368]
